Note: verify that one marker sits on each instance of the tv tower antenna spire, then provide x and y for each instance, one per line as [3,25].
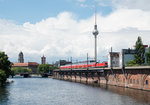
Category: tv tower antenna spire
[95,33]
[95,13]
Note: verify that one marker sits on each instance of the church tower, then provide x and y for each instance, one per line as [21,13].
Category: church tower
[43,60]
[20,58]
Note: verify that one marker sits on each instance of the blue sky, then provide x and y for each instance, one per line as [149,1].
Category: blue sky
[33,11]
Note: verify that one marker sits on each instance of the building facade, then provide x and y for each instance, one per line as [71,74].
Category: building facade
[29,65]
[113,59]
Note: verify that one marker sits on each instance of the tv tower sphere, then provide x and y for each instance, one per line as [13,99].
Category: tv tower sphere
[95,31]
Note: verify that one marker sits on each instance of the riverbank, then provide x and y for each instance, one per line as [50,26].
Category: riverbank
[8,81]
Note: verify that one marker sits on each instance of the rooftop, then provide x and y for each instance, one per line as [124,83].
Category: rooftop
[25,64]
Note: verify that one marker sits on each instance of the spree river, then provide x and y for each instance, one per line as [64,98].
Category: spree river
[47,91]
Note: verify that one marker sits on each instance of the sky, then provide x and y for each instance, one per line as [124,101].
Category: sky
[61,29]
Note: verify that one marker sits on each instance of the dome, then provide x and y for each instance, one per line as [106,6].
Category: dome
[21,53]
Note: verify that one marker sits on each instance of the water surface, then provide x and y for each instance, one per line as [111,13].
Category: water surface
[47,91]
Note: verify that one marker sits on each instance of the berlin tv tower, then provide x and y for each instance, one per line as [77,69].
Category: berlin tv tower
[95,33]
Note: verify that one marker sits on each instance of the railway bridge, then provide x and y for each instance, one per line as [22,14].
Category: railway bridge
[130,77]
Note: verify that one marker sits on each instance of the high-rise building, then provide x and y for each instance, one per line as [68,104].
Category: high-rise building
[20,57]
[43,60]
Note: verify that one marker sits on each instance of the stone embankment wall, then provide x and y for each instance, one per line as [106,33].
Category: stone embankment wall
[138,78]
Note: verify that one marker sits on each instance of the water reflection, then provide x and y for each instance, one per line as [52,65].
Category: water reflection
[4,93]
[140,96]
[38,91]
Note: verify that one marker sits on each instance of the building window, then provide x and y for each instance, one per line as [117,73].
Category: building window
[131,81]
[146,82]
[137,81]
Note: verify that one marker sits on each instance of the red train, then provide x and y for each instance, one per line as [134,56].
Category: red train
[76,66]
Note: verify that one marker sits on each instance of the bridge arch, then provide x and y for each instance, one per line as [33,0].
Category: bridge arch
[146,82]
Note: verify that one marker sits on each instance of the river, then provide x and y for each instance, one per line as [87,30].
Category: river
[47,91]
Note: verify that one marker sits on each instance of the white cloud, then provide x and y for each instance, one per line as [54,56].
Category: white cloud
[63,36]
[125,19]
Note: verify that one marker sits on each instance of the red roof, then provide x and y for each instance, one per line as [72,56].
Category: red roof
[25,64]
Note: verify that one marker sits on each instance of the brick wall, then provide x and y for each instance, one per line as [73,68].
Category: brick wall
[137,78]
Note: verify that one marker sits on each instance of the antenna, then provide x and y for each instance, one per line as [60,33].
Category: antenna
[95,13]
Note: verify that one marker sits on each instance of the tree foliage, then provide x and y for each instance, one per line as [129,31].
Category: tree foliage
[55,67]
[131,63]
[2,77]
[17,70]
[5,66]
[148,57]
[44,68]
[139,57]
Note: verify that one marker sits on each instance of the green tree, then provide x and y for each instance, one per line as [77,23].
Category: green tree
[44,68]
[139,57]
[131,63]
[16,70]
[5,66]
[2,77]
[148,56]
[55,67]
[29,70]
